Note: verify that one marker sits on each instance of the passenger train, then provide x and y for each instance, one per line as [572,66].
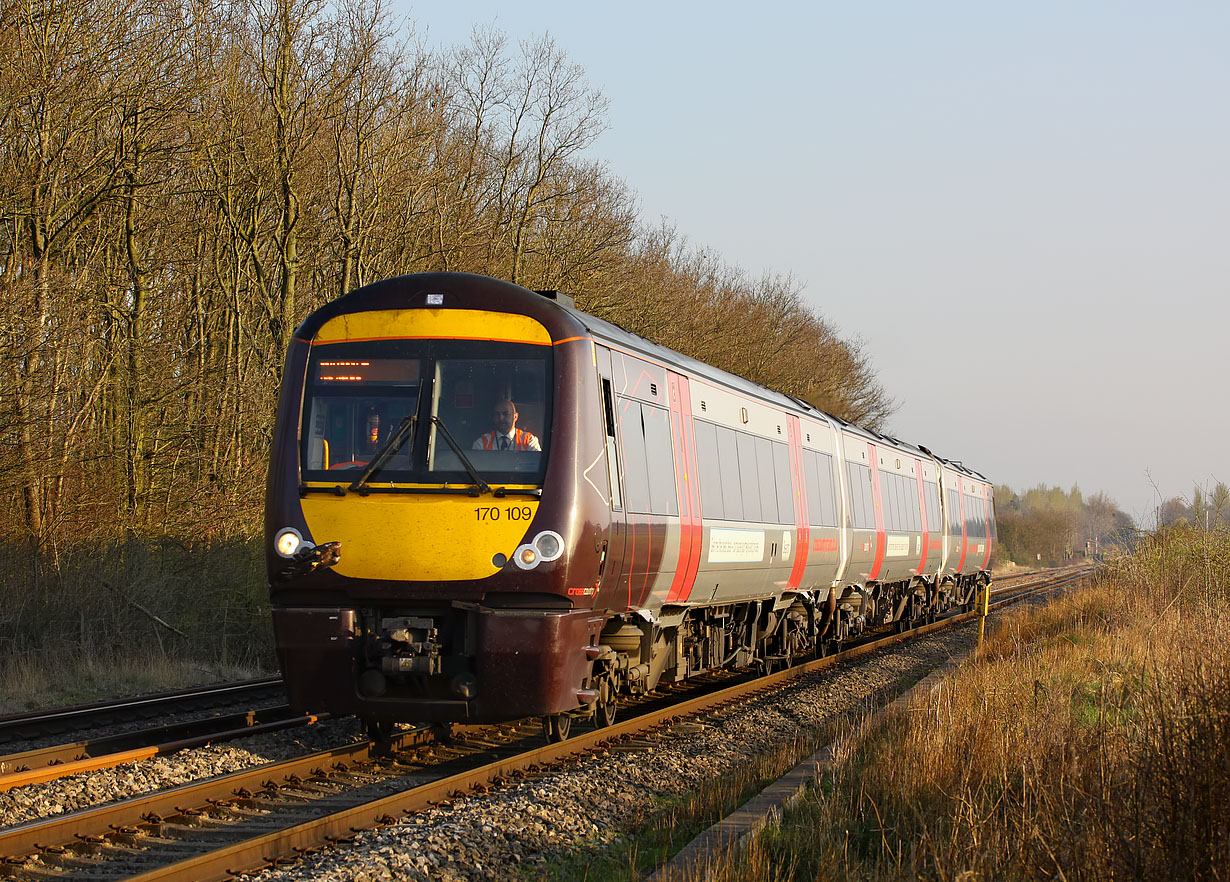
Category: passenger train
[673,519]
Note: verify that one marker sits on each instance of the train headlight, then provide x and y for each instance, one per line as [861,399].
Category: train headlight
[288,541]
[550,545]
[546,546]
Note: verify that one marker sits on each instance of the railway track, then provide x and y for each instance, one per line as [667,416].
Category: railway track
[253,818]
[60,760]
[56,721]
[263,710]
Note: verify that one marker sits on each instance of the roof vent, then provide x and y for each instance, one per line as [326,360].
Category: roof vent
[561,299]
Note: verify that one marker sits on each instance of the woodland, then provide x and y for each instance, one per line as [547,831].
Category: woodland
[181,183]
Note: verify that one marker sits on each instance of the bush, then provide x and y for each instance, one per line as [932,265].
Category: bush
[112,603]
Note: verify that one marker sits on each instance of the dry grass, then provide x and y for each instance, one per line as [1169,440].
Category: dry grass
[1091,742]
[57,680]
[100,619]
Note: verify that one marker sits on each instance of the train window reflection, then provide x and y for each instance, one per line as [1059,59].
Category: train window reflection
[356,400]
[495,409]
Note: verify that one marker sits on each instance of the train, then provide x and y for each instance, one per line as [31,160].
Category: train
[484,504]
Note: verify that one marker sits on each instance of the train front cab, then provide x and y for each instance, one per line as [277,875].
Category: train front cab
[463,573]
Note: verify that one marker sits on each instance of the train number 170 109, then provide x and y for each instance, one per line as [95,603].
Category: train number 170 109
[515,513]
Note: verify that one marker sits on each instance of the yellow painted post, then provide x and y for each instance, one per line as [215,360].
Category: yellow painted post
[984,607]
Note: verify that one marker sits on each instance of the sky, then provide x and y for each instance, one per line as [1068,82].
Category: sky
[1021,210]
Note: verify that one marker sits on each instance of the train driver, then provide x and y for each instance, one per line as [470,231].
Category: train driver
[506,435]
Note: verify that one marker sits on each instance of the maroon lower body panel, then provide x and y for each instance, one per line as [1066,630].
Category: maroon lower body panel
[523,663]
[316,653]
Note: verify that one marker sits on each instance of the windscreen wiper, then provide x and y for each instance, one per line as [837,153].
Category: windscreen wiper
[483,487]
[404,430]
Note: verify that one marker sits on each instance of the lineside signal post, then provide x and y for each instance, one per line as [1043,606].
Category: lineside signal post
[984,607]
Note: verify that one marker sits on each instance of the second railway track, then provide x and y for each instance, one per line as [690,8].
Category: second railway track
[21,727]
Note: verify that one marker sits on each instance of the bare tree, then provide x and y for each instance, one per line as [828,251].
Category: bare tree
[67,62]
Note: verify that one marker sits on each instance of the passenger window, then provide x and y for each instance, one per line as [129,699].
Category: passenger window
[728,456]
[954,514]
[660,457]
[888,499]
[811,477]
[864,517]
[853,473]
[828,493]
[710,469]
[752,510]
[632,443]
[931,494]
[764,479]
[785,487]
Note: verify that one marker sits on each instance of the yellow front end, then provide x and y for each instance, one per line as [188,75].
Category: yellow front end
[420,538]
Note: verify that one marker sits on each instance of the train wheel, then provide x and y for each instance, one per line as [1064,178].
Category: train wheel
[604,713]
[556,727]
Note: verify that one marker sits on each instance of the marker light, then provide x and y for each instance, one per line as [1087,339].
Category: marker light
[288,541]
[526,557]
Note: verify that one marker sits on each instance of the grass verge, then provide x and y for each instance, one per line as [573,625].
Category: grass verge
[1091,742]
[30,684]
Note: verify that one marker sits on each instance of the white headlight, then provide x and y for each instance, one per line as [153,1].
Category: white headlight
[288,541]
[550,545]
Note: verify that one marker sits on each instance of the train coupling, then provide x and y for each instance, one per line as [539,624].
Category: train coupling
[312,557]
[415,645]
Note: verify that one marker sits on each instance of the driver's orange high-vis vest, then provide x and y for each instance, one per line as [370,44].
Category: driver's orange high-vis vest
[521,440]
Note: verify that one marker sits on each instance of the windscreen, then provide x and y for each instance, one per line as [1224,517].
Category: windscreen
[420,406]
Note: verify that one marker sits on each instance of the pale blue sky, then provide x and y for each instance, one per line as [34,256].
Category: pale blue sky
[1045,183]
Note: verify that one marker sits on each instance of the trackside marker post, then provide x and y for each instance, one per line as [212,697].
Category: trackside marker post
[984,607]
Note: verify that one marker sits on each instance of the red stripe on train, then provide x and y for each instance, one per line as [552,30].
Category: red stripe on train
[799,485]
[922,506]
[691,534]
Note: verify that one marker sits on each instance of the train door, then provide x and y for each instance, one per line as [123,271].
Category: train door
[992,533]
[613,559]
[866,521]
